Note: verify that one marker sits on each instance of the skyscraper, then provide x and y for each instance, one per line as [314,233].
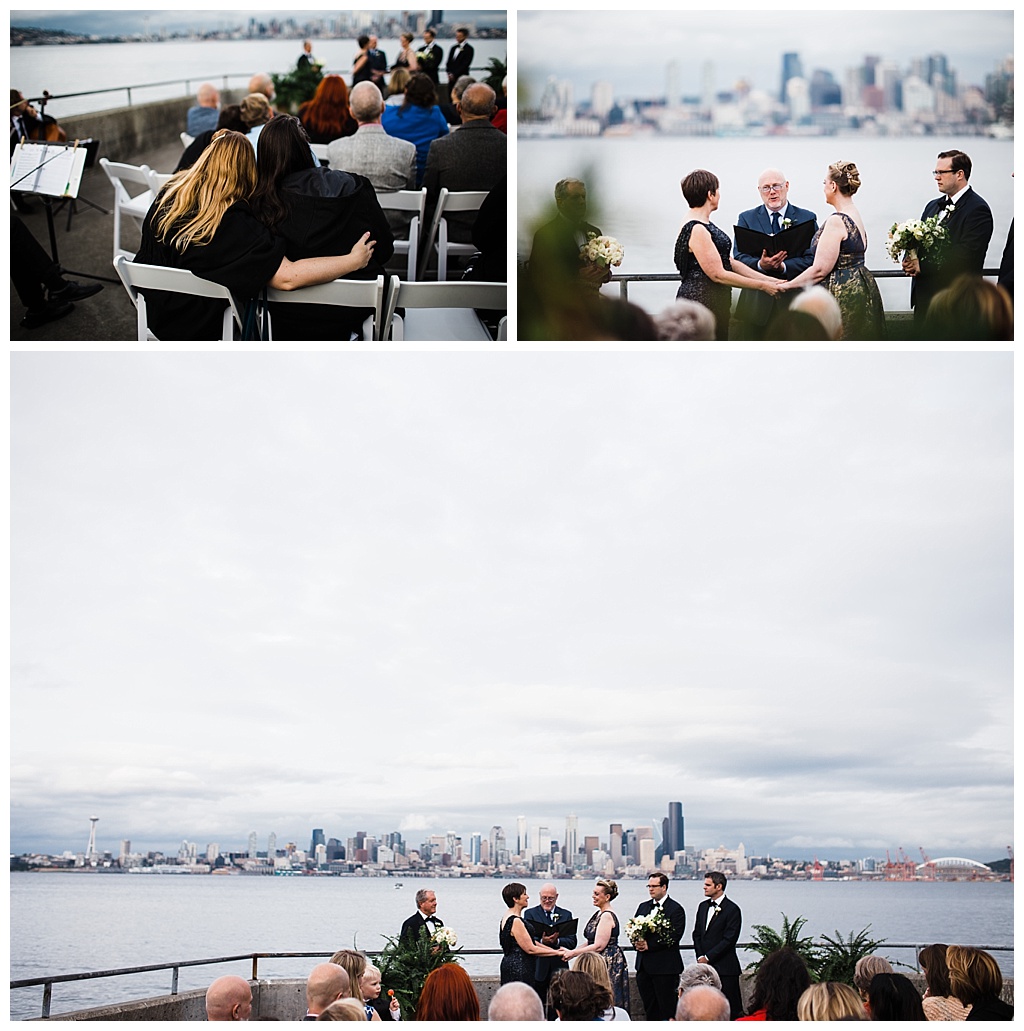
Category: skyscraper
[791,69]
[271,846]
[521,843]
[671,832]
[318,839]
[572,828]
[252,844]
[615,844]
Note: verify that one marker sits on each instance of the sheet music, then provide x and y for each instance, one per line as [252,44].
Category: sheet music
[49,168]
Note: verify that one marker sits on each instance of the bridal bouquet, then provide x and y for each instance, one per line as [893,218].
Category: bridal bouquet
[655,925]
[601,250]
[915,235]
[445,936]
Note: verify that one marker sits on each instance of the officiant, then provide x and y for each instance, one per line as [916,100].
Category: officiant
[548,915]
[754,309]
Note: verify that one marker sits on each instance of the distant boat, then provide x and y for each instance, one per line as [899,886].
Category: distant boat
[398,885]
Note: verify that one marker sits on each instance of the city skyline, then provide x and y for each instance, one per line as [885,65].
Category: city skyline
[436,591]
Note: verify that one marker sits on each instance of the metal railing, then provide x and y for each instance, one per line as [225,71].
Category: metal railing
[49,981]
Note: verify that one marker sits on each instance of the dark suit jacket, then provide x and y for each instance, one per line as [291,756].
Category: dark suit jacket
[459,64]
[970,229]
[547,964]
[754,306]
[473,157]
[660,958]
[718,942]
[430,64]
[555,256]
[415,926]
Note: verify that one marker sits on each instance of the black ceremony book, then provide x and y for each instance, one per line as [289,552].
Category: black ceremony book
[565,929]
[794,240]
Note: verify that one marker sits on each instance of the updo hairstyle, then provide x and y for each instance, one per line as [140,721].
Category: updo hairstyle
[845,175]
[611,889]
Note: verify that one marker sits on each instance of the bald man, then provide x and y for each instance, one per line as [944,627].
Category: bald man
[515,1001]
[326,983]
[204,114]
[549,914]
[262,83]
[754,309]
[702,1003]
[229,998]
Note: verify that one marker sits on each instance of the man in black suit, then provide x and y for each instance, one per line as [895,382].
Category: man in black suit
[430,56]
[658,962]
[968,220]
[555,255]
[326,983]
[755,309]
[423,920]
[378,65]
[716,931]
[548,912]
[460,58]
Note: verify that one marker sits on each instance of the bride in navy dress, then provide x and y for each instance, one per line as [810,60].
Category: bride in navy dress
[602,934]
[839,247]
[707,270]
[518,963]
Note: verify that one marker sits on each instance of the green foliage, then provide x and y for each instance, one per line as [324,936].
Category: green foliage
[295,88]
[496,71]
[767,940]
[837,957]
[404,966]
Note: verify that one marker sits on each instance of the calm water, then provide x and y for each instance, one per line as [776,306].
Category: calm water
[634,189]
[67,69]
[61,923]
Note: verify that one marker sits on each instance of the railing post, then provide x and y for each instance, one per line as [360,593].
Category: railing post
[47,996]
[129,89]
[174,980]
[255,967]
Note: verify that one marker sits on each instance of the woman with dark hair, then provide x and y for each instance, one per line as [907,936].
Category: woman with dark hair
[327,116]
[315,211]
[518,946]
[894,997]
[976,980]
[362,66]
[782,978]
[939,1001]
[707,270]
[418,119]
[202,222]
[574,995]
[602,934]
[448,994]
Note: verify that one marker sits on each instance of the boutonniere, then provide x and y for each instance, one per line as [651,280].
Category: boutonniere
[786,223]
[554,915]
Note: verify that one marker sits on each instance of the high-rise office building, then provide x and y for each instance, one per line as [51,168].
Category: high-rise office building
[271,846]
[791,69]
[615,840]
[252,844]
[317,839]
[521,843]
[474,847]
[571,843]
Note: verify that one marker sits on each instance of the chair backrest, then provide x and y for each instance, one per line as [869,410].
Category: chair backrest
[464,200]
[158,180]
[459,293]
[136,277]
[186,140]
[408,200]
[346,293]
[119,174]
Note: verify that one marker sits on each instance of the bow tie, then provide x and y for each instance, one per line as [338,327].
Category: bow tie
[950,204]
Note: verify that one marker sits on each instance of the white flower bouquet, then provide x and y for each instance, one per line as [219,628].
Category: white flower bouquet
[915,235]
[445,936]
[654,925]
[601,250]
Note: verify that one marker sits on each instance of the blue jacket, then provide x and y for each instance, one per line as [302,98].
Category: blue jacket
[419,125]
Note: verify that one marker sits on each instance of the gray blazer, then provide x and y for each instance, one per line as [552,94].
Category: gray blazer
[389,163]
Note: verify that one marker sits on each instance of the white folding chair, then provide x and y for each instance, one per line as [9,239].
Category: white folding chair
[136,277]
[320,150]
[407,200]
[447,202]
[442,311]
[124,202]
[157,181]
[346,293]
[186,140]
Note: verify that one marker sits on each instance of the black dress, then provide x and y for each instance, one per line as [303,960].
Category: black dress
[243,256]
[853,286]
[695,285]
[618,971]
[516,965]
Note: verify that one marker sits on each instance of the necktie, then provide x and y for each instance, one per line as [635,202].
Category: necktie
[775,222]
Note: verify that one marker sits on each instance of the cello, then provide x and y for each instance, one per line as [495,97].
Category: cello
[41,128]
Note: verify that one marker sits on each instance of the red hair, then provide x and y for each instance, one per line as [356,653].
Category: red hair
[327,116]
[448,994]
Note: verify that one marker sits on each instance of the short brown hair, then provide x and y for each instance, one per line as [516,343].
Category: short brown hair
[512,891]
[973,974]
[697,185]
[961,162]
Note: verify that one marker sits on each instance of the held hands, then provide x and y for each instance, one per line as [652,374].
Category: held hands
[595,275]
[772,287]
[772,262]
[362,252]
[911,266]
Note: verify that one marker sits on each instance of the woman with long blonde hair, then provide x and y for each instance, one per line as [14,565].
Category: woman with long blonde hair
[201,222]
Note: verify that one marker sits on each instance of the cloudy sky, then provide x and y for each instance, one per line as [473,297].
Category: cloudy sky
[432,592]
[632,49]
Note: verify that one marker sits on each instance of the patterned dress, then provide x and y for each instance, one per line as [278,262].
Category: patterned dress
[516,965]
[617,969]
[853,286]
[695,285]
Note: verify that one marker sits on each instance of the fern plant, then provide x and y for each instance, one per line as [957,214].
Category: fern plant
[405,963]
[766,940]
[838,956]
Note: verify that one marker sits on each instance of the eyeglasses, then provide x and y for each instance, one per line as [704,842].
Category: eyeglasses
[772,188]
[943,171]
[548,898]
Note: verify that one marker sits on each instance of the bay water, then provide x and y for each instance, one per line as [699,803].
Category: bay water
[63,923]
[633,188]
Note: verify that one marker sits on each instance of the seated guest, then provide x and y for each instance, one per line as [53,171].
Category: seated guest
[326,983]
[342,1009]
[894,997]
[396,86]
[450,109]
[316,211]
[354,964]
[782,978]
[448,994]
[500,117]
[699,973]
[976,980]
[596,967]
[939,1002]
[389,163]
[369,985]
[203,115]
[574,995]
[229,118]
[255,112]
[685,320]
[515,1001]
[830,1000]
[864,971]
[818,302]
[473,158]
[202,222]
[327,116]
[229,998]
[794,325]
[702,1002]
[970,308]
[261,82]
[418,120]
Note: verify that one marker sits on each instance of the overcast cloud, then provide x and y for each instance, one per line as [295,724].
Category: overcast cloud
[433,592]
[632,49]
